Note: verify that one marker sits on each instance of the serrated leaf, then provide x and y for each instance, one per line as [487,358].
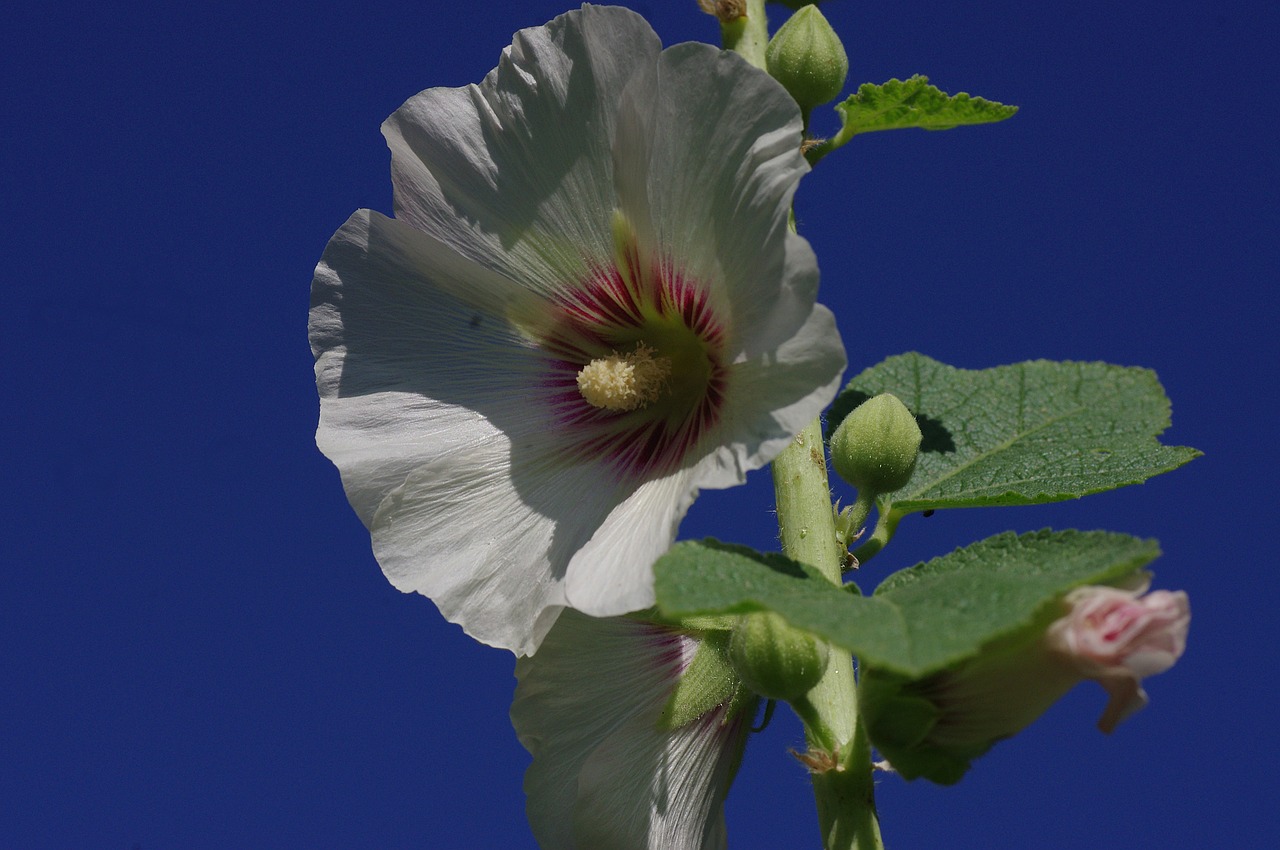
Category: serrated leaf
[1024,434]
[951,606]
[919,620]
[709,577]
[898,104]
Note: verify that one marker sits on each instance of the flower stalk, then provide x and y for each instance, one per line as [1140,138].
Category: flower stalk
[886,524]
[748,33]
[839,754]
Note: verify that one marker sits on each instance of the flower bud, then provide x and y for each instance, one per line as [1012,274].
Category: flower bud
[806,56]
[936,725]
[1118,638]
[708,682]
[876,446]
[775,659]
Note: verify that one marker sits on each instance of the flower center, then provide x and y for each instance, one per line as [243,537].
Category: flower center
[624,382]
[637,370]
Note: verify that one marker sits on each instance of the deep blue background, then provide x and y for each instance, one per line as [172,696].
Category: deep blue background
[197,649]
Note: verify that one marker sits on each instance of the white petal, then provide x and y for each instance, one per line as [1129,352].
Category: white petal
[518,168]
[431,408]
[613,573]
[415,357]
[487,541]
[604,774]
[772,398]
[433,396]
[707,160]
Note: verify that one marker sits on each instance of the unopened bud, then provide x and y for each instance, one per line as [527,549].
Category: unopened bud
[775,659]
[876,446]
[936,725]
[806,56]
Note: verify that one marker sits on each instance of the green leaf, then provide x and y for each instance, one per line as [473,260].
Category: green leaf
[1024,434]
[919,620]
[709,577]
[953,605]
[898,104]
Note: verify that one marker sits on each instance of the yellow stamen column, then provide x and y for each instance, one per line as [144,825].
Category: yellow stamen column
[622,382]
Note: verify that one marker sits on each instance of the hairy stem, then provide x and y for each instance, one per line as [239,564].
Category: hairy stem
[839,754]
[886,525]
[747,34]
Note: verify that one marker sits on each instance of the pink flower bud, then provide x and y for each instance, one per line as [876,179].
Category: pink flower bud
[936,725]
[1119,637]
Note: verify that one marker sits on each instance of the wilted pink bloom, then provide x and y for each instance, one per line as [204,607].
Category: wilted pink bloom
[936,725]
[1119,637]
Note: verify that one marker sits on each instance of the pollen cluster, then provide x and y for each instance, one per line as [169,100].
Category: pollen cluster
[624,382]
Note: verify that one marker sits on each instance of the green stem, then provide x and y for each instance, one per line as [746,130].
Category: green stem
[749,34]
[886,525]
[850,524]
[839,754]
[826,146]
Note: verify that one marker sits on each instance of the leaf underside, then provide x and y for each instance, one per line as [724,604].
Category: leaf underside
[919,620]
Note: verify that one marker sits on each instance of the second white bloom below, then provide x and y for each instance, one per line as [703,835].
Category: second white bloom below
[607,772]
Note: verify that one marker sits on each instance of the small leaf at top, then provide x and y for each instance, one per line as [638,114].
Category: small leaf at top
[1023,434]
[913,102]
[898,104]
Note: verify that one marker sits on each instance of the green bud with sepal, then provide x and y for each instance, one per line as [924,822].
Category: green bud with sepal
[876,446]
[774,659]
[806,56]
[707,683]
[934,725]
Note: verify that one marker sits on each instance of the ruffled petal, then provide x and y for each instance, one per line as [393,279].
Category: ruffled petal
[613,573]
[604,774]
[707,161]
[487,547]
[416,357]
[434,409]
[518,169]
[447,344]
[772,398]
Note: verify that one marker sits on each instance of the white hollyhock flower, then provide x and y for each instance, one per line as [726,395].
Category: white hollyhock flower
[607,770]
[588,307]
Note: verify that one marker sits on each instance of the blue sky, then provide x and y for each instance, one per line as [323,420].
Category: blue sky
[198,648]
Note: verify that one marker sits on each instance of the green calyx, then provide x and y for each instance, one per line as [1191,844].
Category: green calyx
[774,659]
[933,727]
[706,684]
[876,446]
[806,56]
